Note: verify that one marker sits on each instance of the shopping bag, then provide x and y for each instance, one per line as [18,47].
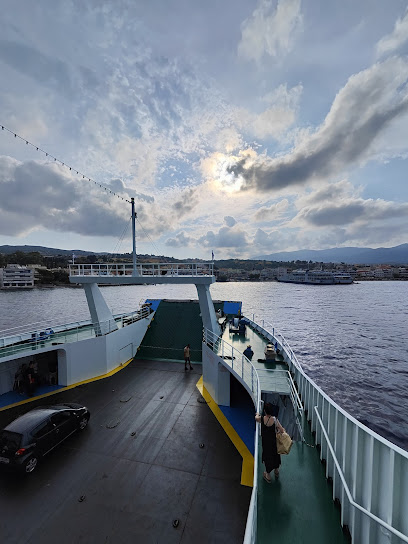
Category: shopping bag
[283,443]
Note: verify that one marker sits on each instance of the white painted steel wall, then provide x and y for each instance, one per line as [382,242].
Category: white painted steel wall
[85,359]
[359,461]
[216,377]
[97,356]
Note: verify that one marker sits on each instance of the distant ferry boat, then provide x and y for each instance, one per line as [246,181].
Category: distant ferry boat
[314,277]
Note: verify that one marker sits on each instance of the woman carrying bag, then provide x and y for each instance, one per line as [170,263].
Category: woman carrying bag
[269,427]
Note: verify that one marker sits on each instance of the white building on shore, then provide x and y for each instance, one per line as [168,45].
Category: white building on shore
[15,276]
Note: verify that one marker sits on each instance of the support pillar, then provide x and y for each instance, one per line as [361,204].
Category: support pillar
[216,378]
[207,309]
[101,316]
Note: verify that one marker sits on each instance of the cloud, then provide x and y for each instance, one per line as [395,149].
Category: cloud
[352,211]
[361,111]
[225,238]
[186,203]
[397,38]
[118,186]
[180,240]
[273,240]
[43,69]
[336,215]
[35,195]
[273,212]
[328,194]
[277,118]
[230,221]
[269,30]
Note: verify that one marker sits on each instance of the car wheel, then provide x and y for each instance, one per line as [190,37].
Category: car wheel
[31,464]
[83,422]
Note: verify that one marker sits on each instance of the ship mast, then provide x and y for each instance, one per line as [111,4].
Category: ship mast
[134,215]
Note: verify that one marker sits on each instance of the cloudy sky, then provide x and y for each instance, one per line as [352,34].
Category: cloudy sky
[242,127]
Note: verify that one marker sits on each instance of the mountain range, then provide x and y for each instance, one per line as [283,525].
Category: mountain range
[348,255]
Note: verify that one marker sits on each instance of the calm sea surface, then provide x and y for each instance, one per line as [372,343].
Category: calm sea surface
[351,339]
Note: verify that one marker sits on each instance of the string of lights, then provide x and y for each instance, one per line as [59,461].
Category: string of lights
[74,170]
[56,160]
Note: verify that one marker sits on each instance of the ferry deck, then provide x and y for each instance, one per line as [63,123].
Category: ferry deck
[159,452]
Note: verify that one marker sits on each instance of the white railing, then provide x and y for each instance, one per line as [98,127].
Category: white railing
[71,332]
[369,473]
[247,374]
[279,377]
[388,528]
[283,344]
[143,269]
[240,365]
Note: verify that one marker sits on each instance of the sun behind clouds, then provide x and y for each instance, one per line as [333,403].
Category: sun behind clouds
[219,170]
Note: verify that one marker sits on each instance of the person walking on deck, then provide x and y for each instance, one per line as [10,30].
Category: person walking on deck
[187,357]
[269,427]
[248,352]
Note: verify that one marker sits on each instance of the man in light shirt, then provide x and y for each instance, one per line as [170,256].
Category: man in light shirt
[187,357]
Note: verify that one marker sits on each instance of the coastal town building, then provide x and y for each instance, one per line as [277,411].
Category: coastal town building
[14,276]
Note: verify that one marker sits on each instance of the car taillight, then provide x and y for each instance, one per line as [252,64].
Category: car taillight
[20,452]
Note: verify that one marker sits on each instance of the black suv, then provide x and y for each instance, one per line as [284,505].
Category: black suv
[34,434]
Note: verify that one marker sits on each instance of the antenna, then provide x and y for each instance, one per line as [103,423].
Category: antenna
[134,215]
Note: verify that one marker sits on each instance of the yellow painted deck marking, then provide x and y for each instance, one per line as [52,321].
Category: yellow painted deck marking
[101,377]
[247,474]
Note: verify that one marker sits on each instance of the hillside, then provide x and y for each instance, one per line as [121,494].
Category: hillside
[7,250]
[348,255]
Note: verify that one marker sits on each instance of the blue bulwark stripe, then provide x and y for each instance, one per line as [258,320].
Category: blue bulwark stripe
[232,308]
[154,302]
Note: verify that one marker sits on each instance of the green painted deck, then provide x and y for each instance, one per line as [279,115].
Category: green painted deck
[272,376]
[298,506]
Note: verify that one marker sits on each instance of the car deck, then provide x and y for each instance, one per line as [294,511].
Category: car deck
[135,472]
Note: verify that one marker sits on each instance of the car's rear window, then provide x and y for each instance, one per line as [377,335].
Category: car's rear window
[10,440]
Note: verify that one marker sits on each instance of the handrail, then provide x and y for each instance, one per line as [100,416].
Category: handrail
[278,337]
[253,504]
[66,326]
[347,490]
[295,394]
[294,397]
[20,330]
[143,269]
[216,340]
[35,340]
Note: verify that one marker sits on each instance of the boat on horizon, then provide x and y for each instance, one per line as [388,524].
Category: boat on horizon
[313,277]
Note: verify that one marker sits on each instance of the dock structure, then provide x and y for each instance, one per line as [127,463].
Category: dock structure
[90,275]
